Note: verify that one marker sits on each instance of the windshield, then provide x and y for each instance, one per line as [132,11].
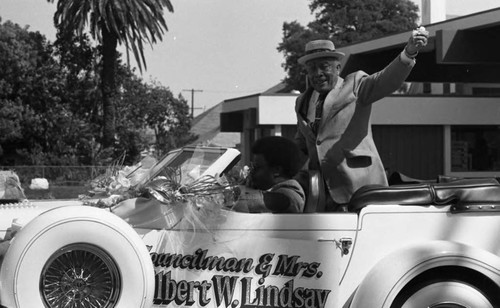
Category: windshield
[193,162]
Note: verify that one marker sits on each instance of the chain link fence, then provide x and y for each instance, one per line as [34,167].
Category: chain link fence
[65,182]
[57,175]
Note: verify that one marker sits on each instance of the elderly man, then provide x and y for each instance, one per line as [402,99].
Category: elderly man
[333,117]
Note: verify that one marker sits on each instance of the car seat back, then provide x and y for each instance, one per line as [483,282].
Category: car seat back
[315,196]
[465,191]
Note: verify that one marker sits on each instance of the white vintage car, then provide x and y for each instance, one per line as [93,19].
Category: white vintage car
[415,245]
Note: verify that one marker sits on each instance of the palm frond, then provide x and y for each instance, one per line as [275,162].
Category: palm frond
[132,22]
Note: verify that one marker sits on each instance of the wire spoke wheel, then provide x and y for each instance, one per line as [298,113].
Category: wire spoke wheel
[77,257]
[80,276]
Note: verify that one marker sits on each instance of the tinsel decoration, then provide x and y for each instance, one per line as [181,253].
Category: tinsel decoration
[194,204]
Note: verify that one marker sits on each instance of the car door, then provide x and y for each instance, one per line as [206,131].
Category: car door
[252,260]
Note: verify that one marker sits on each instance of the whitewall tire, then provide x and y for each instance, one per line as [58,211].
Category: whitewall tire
[447,294]
[77,256]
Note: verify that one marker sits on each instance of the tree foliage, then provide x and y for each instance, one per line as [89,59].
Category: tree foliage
[32,88]
[110,23]
[344,22]
[152,110]
[49,110]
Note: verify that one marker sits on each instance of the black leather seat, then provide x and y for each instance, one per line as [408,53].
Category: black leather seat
[464,191]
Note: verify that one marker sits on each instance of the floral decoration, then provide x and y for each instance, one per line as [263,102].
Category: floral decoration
[120,183]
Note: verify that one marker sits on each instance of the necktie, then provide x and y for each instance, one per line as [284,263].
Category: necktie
[318,114]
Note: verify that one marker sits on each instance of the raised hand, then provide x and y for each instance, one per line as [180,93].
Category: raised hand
[418,39]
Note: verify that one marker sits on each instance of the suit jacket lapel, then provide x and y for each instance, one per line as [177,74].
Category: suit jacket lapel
[303,103]
[332,106]
[301,110]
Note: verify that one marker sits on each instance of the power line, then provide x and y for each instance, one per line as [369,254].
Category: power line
[192,99]
[235,91]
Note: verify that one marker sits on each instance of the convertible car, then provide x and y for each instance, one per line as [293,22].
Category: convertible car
[430,244]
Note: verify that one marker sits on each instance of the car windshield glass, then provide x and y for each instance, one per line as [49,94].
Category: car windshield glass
[191,163]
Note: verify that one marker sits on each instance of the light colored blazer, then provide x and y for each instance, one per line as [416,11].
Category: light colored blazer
[344,150]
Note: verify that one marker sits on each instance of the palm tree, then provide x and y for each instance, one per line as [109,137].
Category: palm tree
[113,22]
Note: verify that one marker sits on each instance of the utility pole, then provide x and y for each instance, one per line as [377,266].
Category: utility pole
[192,99]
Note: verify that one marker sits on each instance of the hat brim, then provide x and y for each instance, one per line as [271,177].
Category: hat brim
[322,54]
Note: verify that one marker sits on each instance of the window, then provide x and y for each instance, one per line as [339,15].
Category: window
[475,148]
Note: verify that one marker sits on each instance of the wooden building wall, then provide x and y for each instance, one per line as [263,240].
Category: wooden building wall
[414,150]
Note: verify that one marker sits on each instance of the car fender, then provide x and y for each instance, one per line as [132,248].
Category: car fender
[63,254]
[386,279]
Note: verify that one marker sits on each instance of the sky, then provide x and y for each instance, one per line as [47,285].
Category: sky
[223,49]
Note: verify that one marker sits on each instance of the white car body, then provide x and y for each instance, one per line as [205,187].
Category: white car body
[421,245]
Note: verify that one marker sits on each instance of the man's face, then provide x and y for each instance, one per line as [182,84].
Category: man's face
[261,175]
[323,74]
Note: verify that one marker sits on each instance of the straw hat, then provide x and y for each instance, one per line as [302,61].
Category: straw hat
[320,49]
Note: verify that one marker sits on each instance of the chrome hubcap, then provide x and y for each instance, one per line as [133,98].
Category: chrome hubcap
[80,276]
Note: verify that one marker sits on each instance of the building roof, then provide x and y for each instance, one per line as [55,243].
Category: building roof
[463,49]
[206,127]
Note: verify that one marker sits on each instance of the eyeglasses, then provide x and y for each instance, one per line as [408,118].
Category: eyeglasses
[322,66]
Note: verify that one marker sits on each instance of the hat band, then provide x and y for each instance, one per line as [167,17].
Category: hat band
[318,50]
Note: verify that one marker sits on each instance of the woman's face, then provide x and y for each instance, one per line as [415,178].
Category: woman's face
[261,175]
